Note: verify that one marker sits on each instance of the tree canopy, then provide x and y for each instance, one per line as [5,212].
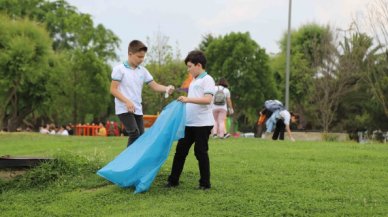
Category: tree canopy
[78,87]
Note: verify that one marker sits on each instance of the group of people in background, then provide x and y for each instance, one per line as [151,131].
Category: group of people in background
[52,129]
[111,128]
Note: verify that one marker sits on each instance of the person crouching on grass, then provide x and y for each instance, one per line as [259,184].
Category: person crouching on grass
[127,83]
[199,121]
[282,120]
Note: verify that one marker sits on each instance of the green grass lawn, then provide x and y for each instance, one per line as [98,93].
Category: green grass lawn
[250,177]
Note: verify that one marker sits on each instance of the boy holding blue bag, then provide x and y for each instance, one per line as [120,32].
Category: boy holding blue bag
[199,121]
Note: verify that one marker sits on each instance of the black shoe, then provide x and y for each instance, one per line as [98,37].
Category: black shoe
[171,185]
[205,188]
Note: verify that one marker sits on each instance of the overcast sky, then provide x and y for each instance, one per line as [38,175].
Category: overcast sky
[185,22]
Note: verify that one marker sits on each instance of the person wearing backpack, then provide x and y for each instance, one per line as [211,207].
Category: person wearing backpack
[222,104]
[279,121]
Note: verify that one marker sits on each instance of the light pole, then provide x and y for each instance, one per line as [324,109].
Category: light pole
[288,55]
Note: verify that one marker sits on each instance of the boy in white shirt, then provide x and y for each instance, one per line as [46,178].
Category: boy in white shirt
[126,86]
[199,121]
[283,119]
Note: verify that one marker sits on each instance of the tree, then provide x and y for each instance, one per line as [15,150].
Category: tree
[341,75]
[377,77]
[245,65]
[81,90]
[310,45]
[87,50]
[25,54]
[165,68]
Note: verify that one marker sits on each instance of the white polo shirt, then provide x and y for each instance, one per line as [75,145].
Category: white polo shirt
[200,115]
[285,116]
[131,85]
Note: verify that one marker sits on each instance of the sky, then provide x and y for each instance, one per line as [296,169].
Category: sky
[186,22]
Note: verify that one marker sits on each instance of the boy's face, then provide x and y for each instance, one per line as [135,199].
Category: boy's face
[194,69]
[137,58]
[294,119]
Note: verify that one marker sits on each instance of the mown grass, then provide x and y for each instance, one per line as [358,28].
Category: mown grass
[250,177]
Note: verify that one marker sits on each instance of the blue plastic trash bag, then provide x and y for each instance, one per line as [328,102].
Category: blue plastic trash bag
[138,165]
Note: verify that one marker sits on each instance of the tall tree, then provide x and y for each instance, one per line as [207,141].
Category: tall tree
[310,45]
[25,52]
[88,50]
[377,77]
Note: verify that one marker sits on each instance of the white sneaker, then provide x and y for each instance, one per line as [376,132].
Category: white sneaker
[226,135]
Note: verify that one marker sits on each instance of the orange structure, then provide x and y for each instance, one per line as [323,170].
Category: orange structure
[92,130]
[149,120]
[86,130]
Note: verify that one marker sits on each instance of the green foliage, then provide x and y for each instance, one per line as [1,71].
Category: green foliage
[250,177]
[310,45]
[64,170]
[172,72]
[330,137]
[80,70]
[24,68]
[341,79]
[166,69]
[360,60]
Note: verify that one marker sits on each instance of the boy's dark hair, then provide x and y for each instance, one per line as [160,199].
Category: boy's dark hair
[136,46]
[295,115]
[196,57]
[223,82]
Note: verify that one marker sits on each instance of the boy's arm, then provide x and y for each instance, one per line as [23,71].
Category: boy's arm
[230,106]
[116,93]
[289,133]
[161,88]
[205,100]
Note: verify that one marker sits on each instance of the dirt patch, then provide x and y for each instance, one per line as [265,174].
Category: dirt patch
[9,174]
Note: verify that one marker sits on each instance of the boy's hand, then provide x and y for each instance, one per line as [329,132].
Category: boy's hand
[182,99]
[130,106]
[170,89]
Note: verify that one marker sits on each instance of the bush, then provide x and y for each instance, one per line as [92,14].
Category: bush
[65,170]
[329,137]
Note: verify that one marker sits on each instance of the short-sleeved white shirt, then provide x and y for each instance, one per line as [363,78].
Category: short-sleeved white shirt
[131,86]
[200,115]
[285,116]
[227,95]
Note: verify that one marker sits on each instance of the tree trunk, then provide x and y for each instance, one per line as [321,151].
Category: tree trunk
[13,124]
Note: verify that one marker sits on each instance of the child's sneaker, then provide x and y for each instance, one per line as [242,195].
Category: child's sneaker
[226,135]
[214,136]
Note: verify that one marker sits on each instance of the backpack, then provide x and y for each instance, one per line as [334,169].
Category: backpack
[273,105]
[219,97]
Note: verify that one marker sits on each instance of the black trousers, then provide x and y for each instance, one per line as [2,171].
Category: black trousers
[133,125]
[279,130]
[199,136]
